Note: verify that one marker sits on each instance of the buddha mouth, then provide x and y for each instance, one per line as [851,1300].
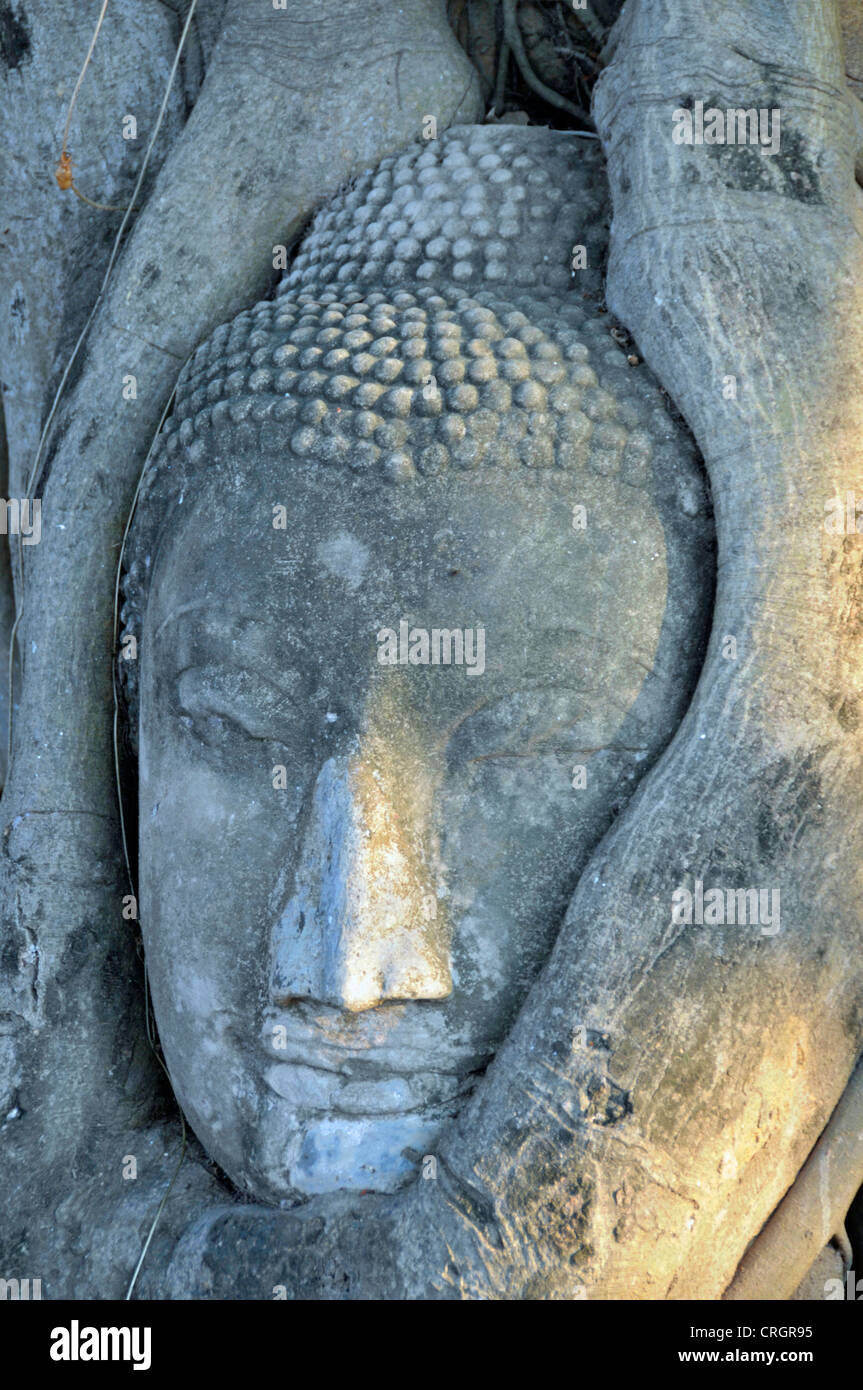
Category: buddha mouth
[362,1067]
[319,1091]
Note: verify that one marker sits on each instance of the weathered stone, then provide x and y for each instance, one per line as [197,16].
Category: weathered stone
[335,954]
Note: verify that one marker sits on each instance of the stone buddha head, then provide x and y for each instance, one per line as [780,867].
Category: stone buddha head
[419,577]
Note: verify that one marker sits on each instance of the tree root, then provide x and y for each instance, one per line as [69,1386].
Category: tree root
[813,1210]
[512,33]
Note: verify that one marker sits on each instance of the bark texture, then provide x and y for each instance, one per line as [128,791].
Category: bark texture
[812,1211]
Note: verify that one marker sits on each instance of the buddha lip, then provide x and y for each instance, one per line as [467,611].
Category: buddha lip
[390,1060]
[362,1098]
[310,1046]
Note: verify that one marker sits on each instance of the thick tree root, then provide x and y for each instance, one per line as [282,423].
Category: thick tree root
[813,1211]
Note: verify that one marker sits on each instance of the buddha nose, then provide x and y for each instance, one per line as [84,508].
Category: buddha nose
[364,925]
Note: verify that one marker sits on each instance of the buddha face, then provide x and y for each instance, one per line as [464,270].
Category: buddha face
[354,852]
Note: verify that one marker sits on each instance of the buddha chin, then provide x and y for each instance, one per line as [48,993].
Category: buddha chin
[355,1101]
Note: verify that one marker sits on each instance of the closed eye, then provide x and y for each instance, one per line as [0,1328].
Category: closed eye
[214,730]
[217,702]
[524,724]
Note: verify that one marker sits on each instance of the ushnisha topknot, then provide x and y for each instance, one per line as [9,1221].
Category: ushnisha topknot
[494,206]
[432,320]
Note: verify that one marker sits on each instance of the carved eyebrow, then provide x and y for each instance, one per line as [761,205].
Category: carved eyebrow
[532,725]
[181,613]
